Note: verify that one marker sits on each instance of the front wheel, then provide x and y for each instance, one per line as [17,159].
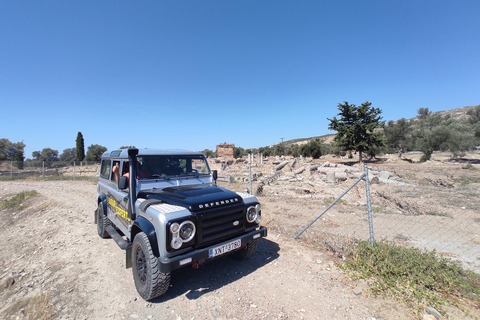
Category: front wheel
[149,281]
[102,222]
[246,252]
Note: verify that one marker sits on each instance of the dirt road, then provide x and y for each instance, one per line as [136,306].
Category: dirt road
[54,265]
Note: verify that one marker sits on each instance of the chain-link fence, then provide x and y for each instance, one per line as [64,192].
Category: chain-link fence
[430,216]
[53,169]
[439,217]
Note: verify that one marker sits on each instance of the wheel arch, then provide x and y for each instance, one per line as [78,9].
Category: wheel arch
[143,225]
[102,198]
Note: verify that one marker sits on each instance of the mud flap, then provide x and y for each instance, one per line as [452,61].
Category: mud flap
[128,256]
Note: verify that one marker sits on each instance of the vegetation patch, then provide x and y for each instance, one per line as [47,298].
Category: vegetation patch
[331,199]
[417,277]
[466,180]
[18,201]
[38,307]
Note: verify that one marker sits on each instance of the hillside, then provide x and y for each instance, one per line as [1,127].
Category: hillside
[456,113]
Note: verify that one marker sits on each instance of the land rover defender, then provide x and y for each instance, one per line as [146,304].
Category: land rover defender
[165,210]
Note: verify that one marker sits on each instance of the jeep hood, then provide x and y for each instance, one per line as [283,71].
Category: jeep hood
[194,197]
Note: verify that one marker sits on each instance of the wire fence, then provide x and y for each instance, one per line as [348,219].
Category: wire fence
[444,219]
[399,213]
[53,169]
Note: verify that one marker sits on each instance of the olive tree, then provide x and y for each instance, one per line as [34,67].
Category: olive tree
[68,154]
[398,135]
[13,151]
[47,155]
[94,152]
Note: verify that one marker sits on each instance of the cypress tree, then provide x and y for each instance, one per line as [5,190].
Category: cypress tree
[80,147]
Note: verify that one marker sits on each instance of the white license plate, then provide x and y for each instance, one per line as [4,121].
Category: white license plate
[225,248]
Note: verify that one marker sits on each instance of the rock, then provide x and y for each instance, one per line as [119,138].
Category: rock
[299,170]
[257,188]
[373,179]
[433,312]
[281,165]
[313,167]
[7,281]
[429,317]
[384,175]
[331,177]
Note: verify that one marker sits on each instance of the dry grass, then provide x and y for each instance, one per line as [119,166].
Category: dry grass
[38,307]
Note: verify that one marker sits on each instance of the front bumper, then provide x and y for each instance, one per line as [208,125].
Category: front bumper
[169,264]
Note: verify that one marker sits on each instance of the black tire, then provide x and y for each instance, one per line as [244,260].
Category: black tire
[149,281]
[102,222]
[246,252]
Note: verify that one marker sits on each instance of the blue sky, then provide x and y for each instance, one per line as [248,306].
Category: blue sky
[193,74]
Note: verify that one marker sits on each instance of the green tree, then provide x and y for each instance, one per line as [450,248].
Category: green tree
[238,152]
[356,127]
[459,137]
[209,153]
[94,152]
[265,151]
[80,147]
[68,154]
[12,151]
[279,149]
[398,135]
[294,150]
[474,120]
[312,149]
[47,155]
[428,133]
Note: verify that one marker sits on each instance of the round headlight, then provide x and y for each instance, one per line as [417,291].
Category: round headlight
[174,227]
[187,231]
[176,243]
[251,214]
[259,213]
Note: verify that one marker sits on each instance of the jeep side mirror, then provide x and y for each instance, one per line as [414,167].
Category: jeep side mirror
[215,175]
[123,183]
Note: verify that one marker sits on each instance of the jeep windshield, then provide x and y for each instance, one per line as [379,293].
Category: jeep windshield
[171,166]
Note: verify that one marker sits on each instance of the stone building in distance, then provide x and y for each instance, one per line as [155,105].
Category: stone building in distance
[225,150]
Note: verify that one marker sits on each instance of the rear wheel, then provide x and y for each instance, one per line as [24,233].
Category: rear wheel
[102,222]
[149,281]
[246,252]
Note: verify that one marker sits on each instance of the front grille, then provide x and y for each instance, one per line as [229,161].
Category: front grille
[219,224]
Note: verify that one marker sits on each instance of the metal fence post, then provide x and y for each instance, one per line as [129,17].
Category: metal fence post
[250,176]
[43,169]
[11,169]
[369,206]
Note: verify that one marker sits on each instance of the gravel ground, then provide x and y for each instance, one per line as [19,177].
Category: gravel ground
[55,266]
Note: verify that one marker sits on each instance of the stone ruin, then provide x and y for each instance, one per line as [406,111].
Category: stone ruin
[225,150]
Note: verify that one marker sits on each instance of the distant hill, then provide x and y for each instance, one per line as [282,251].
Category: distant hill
[457,112]
[328,138]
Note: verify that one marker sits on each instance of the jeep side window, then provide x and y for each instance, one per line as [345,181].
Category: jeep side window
[105,169]
[126,170]
[116,170]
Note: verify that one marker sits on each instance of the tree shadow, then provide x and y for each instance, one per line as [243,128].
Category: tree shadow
[464,160]
[217,273]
